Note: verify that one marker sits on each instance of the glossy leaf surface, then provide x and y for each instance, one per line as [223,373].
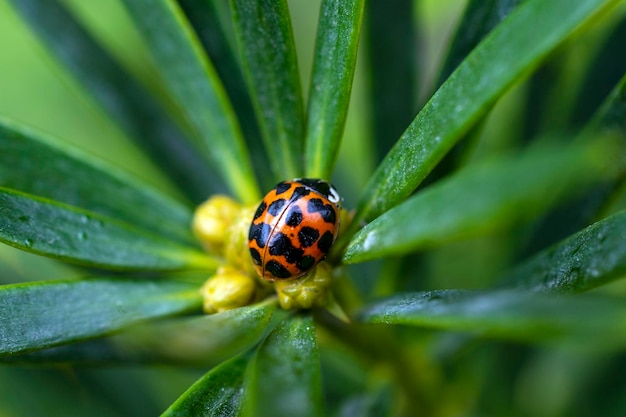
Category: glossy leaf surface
[509,314]
[39,315]
[509,52]
[336,49]
[212,22]
[218,393]
[58,230]
[119,94]
[284,377]
[187,341]
[46,167]
[193,83]
[481,199]
[267,50]
[479,18]
[590,258]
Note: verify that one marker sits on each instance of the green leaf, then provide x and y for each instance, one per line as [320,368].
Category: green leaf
[47,167]
[119,94]
[194,85]
[284,378]
[607,67]
[479,18]
[484,198]
[392,38]
[265,40]
[61,231]
[43,314]
[596,202]
[588,259]
[612,114]
[218,393]
[212,22]
[336,49]
[509,314]
[190,341]
[198,340]
[505,56]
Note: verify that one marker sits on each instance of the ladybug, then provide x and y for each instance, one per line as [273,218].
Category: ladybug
[294,228]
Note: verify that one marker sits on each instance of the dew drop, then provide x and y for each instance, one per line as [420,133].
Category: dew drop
[28,243]
[84,219]
[82,235]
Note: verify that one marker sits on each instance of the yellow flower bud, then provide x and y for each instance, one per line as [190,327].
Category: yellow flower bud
[227,289]
[236,249]
[307,291]
[212,219]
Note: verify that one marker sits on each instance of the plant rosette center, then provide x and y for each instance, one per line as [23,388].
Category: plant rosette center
[224,228]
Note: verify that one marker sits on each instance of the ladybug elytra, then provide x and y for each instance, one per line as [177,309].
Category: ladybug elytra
[294,228]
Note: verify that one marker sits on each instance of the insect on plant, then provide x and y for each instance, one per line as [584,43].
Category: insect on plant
[472,264]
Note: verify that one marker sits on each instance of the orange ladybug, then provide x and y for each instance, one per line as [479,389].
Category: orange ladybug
[294,228]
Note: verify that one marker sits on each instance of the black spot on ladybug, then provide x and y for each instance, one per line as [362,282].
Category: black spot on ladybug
[294,216]
[282,187]
[276,206]
[300,192]
[321,187]
[256,256]
[305,263]
[280,245]
[316,205]
[260,210]
[259,232]
[277,269]
[307,236]
[325,242]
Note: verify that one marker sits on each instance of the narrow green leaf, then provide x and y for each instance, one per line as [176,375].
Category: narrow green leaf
[218,393]
[212,21]
[509,314]
[596,202]
[607,67]
[479,18]
[43,314]
[190,341]
[508,53]
[61,231]
[612,114]
[119,94]
[484,198]
[392,38]
[193,83]
[44,166]
[588,259]
[265,39]
[284,377]
[338,33]
[207,339]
